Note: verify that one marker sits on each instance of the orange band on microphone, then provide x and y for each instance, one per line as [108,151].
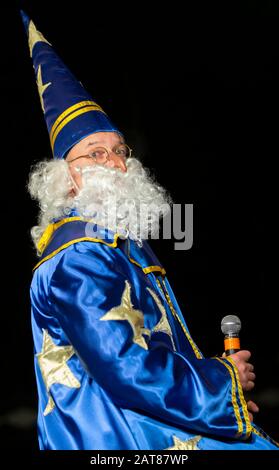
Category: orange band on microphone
[232,343]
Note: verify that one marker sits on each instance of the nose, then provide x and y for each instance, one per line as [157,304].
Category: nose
[115,161]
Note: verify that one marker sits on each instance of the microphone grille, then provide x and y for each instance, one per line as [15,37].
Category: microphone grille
[230,324]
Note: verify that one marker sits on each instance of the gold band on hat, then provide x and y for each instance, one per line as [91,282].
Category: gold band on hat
[71,113]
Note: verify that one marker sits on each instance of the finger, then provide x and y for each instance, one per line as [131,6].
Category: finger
[252,406]
[244,355]
[241,355]
[251,376]
[249,386]
[251,417]
[250,367]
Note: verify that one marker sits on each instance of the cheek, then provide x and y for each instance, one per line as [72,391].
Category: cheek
[110,164]
[76,176]
[79,180]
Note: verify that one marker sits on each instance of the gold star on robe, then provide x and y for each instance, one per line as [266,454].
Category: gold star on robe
[163,324]
[189,444]
[125,311]
[52,362]
[41,86]
[34,36]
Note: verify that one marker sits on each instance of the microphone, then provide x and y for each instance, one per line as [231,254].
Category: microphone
[231,326]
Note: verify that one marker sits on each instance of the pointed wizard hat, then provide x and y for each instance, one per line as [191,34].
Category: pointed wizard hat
[70,112]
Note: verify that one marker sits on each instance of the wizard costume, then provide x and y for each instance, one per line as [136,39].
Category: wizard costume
[116,367]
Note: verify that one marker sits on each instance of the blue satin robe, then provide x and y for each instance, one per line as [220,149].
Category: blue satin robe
[116,367]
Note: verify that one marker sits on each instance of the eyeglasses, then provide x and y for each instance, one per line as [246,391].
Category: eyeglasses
[101,155]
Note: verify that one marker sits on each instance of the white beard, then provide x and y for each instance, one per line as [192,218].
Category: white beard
[120,201]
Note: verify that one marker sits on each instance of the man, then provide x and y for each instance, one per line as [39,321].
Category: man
[115,364]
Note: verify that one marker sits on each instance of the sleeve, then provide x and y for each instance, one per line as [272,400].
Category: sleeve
[203,395]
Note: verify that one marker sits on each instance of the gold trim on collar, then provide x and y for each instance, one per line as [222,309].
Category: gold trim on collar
[77,240]
[42,243]
[45,238]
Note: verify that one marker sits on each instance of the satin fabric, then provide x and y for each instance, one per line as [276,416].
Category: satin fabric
[137,391]
[70,112]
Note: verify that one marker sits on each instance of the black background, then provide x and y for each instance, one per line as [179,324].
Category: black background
[196,93]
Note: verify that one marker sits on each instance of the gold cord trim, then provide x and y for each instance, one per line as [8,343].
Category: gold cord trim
[151,269]
[255,431]
[148,269]
[45,238]
[165,293]
[42,243]
[77,240]
[242,399]
[234,399]
[134,262]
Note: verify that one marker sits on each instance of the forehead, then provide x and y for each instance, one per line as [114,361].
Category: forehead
[98,138]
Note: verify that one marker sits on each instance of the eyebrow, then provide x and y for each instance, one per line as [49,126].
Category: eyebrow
[92,143]
[98,142]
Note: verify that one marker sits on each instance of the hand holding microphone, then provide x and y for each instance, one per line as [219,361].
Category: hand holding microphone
[231,326]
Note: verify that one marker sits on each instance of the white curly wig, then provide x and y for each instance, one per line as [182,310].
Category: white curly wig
[131,200]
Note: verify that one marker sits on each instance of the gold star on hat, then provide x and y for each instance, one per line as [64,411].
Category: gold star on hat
[52,362]
[34,36]
[41,86]
[125,311]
